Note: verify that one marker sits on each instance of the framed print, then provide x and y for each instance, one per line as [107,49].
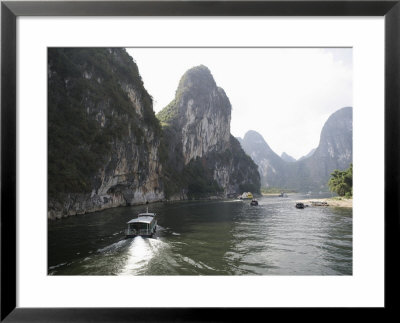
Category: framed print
[137,182]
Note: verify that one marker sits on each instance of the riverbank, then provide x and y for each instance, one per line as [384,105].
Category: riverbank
[335,201]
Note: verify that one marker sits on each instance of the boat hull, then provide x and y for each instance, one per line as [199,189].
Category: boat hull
[129,236]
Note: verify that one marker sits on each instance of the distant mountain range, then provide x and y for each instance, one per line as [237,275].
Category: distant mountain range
[310,172]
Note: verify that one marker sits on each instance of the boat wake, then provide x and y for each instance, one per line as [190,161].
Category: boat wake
[113,247]
[140,253]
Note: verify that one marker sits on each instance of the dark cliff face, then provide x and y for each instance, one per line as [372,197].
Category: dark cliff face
[103,137]
[335,151]
[202,155]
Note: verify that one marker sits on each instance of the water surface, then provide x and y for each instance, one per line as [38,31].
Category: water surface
[207,238]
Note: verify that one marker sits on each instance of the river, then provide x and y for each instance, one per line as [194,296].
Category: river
[207,238]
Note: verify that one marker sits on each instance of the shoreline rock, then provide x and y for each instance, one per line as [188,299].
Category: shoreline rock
[335,202]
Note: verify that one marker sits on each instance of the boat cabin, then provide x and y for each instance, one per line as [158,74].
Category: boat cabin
[144,225]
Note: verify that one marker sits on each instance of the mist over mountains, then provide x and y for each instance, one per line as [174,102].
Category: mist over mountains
[311,172]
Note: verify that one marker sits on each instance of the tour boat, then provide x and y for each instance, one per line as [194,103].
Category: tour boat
[144,225]
[254,203]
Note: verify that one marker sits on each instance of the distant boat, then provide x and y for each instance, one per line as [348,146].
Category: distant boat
[300,205]
[246,196]
[254,203]
[144,225]
[283,195]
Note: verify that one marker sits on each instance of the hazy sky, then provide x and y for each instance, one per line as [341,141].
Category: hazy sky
[285,94]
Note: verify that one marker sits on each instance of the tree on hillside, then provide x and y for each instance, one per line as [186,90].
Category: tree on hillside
[341,182]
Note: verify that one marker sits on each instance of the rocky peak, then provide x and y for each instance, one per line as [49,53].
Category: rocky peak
[199,79]
[287,158]
[255,145]
[270,165]
[336,141]
[201,111]
[202,155]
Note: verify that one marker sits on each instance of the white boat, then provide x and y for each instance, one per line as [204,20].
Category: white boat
[144,225]
[246,196]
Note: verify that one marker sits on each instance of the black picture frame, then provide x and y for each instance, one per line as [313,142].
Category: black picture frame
[10,10]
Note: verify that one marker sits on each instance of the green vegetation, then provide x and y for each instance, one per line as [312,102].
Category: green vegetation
[168,113]
[341,182]
[200,180]
[89,111]
[196,179]
[92,113]
[245,170]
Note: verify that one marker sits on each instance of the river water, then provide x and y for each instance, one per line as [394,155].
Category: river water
[207,238]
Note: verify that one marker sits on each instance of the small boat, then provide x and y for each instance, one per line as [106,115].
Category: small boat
[254,203]
[300,205]
[144,225]
[283,195]
[247,196]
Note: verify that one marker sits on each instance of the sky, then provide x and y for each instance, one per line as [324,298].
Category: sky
[285,94]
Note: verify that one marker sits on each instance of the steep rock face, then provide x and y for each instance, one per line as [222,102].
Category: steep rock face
[201,111]
[104,139]
[335,151]
[270,165]
[336,141]
[202,155]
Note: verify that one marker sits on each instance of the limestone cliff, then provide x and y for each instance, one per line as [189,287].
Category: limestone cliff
[202,155]
[335,150]
[103,137]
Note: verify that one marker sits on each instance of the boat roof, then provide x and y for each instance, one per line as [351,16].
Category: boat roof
[142,219]
[147,214]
